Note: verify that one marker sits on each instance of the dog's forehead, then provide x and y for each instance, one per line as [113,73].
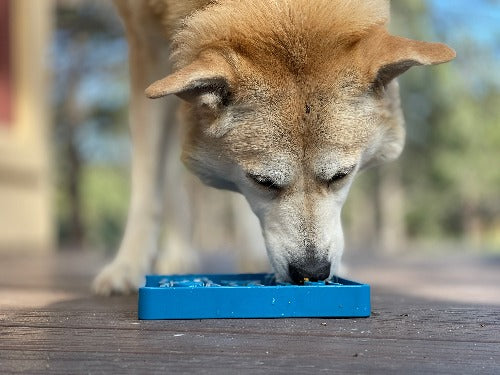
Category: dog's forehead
[318,122]
[339,122]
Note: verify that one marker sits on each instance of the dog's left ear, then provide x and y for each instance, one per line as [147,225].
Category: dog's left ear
[387,56]
[207,79]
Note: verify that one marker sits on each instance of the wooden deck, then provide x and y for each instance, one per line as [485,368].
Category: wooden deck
[50,323]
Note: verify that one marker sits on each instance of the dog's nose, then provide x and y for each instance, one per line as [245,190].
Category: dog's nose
[313,271]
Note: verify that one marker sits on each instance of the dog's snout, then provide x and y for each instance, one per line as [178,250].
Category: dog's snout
[311,250]
[313,271]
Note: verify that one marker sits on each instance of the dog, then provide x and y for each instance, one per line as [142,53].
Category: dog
[283,101]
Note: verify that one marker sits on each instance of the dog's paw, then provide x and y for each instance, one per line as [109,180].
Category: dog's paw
[118,278]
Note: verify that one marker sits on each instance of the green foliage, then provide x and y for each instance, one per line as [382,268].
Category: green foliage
[449,170]
[105,191]
[90,137]
[450,165]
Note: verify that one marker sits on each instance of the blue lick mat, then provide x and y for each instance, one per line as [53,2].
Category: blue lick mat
[249,296]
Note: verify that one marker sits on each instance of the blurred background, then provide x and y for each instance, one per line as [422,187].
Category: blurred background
[65,150]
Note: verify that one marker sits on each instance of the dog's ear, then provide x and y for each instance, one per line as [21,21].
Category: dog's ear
[387,56]
[206,79]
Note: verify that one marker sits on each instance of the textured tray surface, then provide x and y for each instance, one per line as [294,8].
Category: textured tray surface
[249,296]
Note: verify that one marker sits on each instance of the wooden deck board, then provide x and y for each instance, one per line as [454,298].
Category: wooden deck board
[49,323]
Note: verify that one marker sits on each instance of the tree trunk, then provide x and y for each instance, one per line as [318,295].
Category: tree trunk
[390,209]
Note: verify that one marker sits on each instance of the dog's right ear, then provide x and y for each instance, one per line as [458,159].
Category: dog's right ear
[206,79]
[386,56]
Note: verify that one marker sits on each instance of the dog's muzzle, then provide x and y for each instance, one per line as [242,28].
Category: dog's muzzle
[314,270]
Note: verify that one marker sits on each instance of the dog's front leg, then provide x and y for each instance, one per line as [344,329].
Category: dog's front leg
[139,245]
[149,130]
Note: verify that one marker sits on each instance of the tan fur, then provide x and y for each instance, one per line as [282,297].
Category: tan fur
[293,92]
[300,33]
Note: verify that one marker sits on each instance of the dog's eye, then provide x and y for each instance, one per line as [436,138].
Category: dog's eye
[339,176]
[264,181]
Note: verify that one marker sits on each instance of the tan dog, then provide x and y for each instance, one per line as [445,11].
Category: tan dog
[284,102]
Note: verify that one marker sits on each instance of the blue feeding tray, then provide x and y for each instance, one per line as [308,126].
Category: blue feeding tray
[249,296]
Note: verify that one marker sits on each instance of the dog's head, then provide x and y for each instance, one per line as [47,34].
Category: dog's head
[286,107]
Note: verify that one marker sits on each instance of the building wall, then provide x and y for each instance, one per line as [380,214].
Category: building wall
[5,65]
[25,194]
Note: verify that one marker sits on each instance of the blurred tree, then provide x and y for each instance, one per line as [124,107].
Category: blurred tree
[448,169]
[89,54]
[456,132]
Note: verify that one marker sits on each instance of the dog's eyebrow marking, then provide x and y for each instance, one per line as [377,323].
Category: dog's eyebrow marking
[279,178]
[326,169]
[280,172]
[327,174]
